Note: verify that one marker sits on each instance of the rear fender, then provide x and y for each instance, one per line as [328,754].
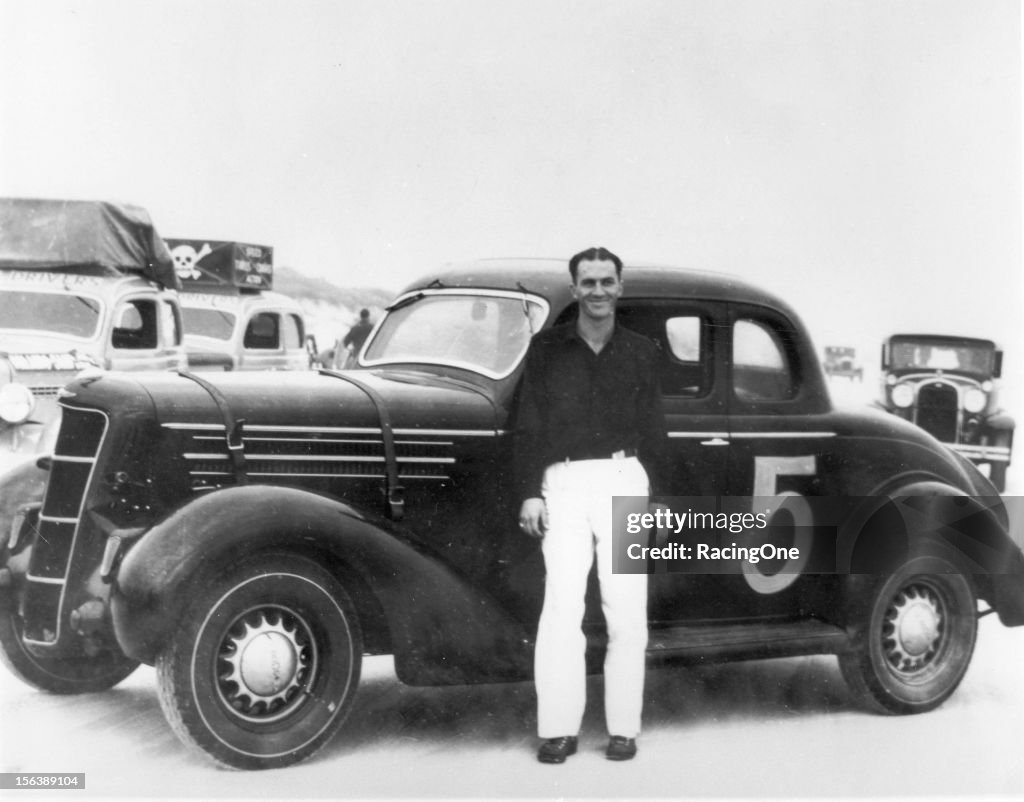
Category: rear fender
[442,630]
[931,518]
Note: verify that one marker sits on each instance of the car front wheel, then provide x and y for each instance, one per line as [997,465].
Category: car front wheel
[66,675]
[913,643]
[263,669]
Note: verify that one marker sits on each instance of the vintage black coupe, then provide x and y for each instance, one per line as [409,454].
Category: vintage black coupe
[255,535]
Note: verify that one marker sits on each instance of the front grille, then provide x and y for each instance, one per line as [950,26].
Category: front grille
[78,443]
[45,390]
[938,411]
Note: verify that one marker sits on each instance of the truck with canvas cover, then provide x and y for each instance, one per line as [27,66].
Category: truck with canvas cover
[83,284]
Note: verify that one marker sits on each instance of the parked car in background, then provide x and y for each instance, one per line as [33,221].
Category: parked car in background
[233,319]
[949,387]
[83,285]
[841,360]
[254,538]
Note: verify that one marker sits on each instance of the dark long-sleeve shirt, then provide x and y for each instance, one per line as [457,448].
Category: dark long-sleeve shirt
[576,404]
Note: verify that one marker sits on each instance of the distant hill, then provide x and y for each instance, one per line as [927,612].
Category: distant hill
[329,309]
[301,287]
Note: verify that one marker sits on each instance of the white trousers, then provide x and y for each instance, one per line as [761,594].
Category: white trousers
[578,496]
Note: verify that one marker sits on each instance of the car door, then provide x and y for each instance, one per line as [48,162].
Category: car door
[262,347]
[293,340]
[689,334]
[778,433]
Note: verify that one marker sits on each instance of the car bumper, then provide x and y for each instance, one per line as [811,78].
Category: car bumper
[982,453]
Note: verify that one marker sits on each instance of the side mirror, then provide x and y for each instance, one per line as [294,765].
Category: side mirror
[885,356]
[997,370]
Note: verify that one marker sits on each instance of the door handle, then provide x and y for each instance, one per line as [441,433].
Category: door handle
[715,441]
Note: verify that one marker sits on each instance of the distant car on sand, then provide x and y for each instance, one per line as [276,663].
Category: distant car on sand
[233,320]
[841,360]
[949,387]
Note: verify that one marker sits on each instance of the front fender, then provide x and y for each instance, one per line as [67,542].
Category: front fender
[1001,423]
[23,483]
[442,630]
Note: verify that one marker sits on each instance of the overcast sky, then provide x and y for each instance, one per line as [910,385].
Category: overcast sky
[860,157]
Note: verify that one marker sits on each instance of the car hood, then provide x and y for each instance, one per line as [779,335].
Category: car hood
[285,399]
[37,347]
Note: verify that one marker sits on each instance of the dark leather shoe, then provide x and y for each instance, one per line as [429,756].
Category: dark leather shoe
[620,748]
[556,750]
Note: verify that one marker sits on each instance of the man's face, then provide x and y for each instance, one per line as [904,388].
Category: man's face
[597,288]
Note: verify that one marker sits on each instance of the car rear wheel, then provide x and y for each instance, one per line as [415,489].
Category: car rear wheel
[66,675]
[912,645]
[264,667]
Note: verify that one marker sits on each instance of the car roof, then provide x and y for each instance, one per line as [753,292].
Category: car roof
[70,281]
[239,302]
[550,278]
[942,338]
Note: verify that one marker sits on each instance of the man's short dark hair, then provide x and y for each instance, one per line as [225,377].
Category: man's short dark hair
[594,255]
[364,313]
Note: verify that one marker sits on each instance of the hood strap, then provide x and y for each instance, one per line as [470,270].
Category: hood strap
[394,490]
[232,427]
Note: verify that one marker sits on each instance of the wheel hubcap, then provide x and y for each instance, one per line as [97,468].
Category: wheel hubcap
[267,664]
[913,629]
[265,659]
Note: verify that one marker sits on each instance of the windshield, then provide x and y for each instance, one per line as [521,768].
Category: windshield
[65,314]
[208,323]
[487,334]
[974,358]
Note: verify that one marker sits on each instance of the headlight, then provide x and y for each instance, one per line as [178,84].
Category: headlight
[975,400]
[903,395]
[16,403]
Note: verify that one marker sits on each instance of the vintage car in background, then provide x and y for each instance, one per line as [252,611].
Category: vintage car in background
[83,285]
[841,360]
[949,387]
[254,538]
[233,319]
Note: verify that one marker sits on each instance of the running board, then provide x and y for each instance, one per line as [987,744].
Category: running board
[716,642]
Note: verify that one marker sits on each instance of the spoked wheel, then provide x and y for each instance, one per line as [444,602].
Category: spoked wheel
[264,668]
[914,644]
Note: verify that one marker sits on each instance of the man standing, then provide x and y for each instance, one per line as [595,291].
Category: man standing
[588,419]
[350,344]
[358,333]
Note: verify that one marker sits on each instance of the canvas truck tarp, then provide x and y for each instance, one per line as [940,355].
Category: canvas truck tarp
[110,238]
[226,266]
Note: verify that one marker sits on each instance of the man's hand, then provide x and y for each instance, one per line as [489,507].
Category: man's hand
[533,517]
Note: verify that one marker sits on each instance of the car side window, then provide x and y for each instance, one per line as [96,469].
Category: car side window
[291,332]
[135,325]
[683,336]
[761,369]
[262,333]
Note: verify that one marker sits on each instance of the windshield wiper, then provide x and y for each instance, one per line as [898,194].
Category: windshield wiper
[88,304]
[404,302]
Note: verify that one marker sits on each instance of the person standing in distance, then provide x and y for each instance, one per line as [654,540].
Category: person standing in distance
[350,344]
[588,420]
[358,333]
